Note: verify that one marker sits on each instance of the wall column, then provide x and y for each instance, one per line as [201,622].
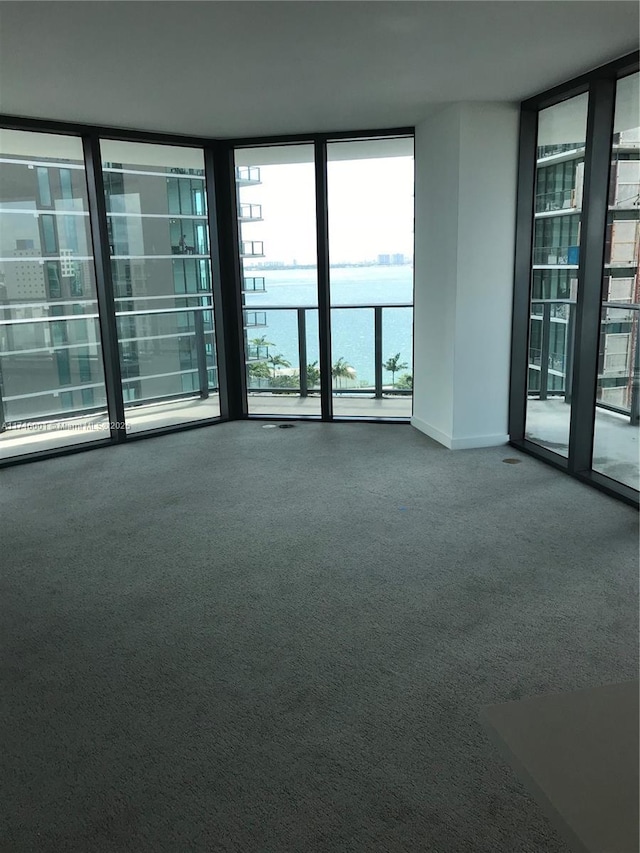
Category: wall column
[466,178]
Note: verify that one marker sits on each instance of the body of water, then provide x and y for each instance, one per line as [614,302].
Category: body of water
[352,328]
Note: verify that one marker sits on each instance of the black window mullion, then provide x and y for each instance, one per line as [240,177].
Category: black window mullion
[522,273]
[104,286]
[602,94]
[226,284]
[324,299]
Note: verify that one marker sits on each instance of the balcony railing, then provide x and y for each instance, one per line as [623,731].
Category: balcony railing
[150,355]
[545,151]
[554,201]
[555,366]
[251,249]
[153,341]
[254,284]
[248,175]
[295,380]
[254,319]
[257,352]
[556,255]
[250,212]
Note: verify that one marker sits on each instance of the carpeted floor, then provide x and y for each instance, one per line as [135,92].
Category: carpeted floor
[263,640]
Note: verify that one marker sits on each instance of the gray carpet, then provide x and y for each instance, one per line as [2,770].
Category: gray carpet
[263,640]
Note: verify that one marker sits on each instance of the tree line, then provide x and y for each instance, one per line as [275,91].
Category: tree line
[266,368]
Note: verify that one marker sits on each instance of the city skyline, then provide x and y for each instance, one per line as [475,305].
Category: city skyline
[370,210]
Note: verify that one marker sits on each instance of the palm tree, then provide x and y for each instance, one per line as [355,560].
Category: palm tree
[261,342]
[313,374]
[277,361]
[342,370]
[405,382]
[393,366]
[258,370]
[256,344]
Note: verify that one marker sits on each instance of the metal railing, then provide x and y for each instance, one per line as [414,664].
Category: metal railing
[302,386]
[248,174]
[562,148]
[50,341]
[251,249]
[250,212]
[253,319]
[549,363]
[254,284]
[138,343]
[556,255]
[554,201]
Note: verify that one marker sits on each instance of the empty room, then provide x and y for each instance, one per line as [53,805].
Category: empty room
[319,418]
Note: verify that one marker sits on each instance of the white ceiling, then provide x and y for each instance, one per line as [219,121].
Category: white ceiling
[258,68]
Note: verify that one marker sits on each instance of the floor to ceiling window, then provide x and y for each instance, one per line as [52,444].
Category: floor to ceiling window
[560,150]
[52,386]
[371,210]
[275,191]
[616,447]
[368,288]
[161,271]
[121,314]
[575,382]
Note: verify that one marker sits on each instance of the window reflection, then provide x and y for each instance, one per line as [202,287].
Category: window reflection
[554,275]
[161,270]
[615,449]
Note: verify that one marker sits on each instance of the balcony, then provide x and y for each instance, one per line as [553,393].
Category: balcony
[254,284]
[282,373]
[168,369]
[254,319]
[547,154]
[247,175]
[617,412]
[554,256]
[562,201]
[250,212]
[251,249]
[52,388]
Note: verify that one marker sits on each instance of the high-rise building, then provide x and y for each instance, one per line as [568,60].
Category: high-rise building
[556,255]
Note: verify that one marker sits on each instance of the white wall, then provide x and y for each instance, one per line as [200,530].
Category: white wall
[435,265]
[466,170]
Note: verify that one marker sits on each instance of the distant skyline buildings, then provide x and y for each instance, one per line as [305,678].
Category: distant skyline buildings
[371,211]
[382,260]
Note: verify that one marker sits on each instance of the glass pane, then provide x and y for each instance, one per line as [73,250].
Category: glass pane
[370,192]
[615,446]
[556,241]
[161,271]
[52,391]
[277,228]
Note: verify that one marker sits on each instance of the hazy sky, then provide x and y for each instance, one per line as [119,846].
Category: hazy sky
[370,210]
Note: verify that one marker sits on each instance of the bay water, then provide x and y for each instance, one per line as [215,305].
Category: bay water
[352,329]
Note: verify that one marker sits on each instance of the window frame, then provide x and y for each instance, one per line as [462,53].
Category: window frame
[600,85]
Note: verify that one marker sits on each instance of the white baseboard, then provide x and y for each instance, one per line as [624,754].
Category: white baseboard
[431,431]
[466,443]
